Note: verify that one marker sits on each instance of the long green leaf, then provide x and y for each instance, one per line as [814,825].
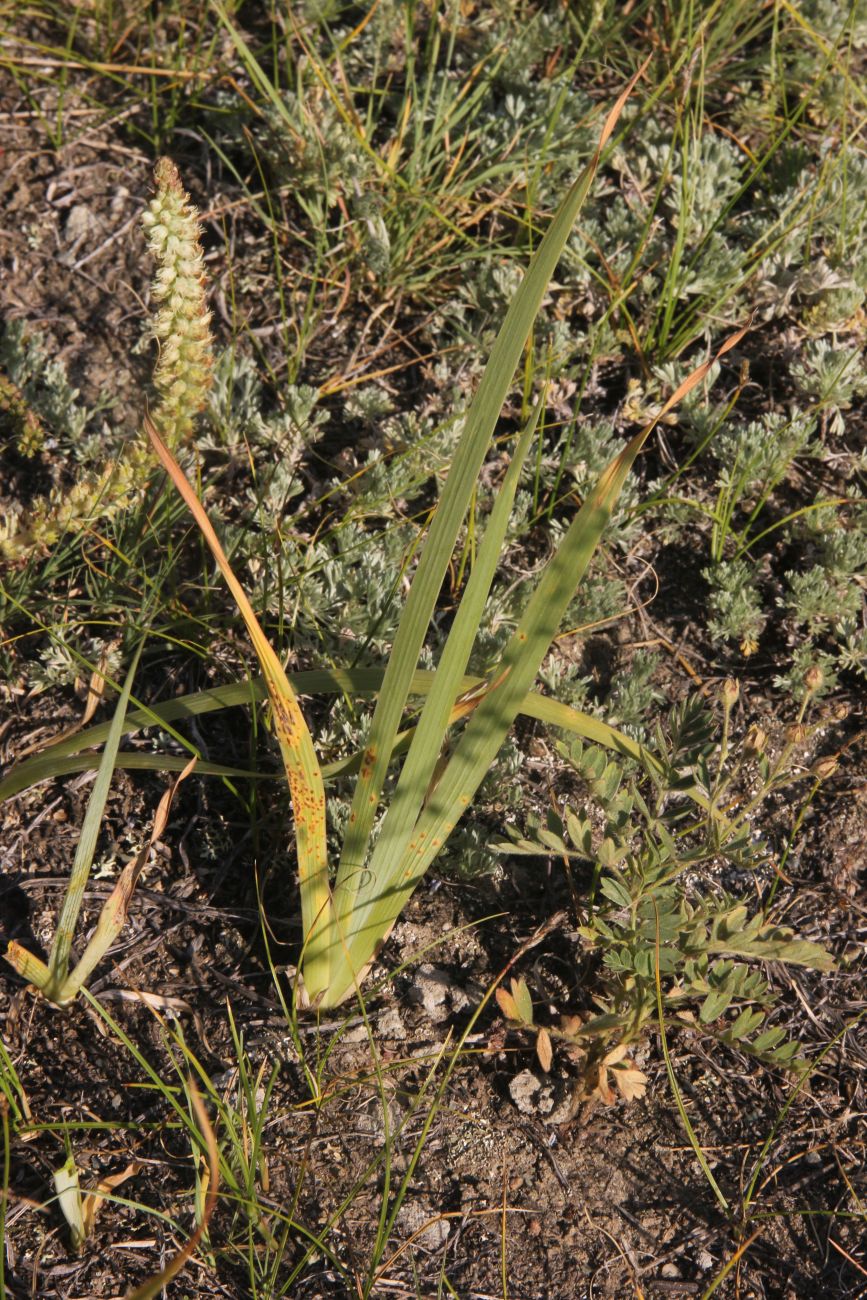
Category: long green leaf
[46,767]
[51,978]
[65,756]
[480,422]
[58,962]
[383,895]
[424,752]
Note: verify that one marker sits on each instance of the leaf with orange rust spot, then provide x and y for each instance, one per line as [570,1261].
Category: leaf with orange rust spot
[303,772]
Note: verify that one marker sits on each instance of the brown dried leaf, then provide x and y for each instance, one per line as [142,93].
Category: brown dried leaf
[603,1088]
[92,1201]
[571,1025]
[507,1004]
[544,1050]
[631,1082]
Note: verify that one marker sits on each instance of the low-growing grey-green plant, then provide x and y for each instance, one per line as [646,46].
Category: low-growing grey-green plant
[737,611]
[662,917]
[833,377]
[45,415]
[753,461]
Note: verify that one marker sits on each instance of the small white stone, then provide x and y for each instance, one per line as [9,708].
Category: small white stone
[79,223]
[430,990]
[390,1024]
[523,1089]
[413,1216]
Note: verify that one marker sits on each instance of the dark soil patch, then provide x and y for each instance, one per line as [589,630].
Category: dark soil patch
[613,1203]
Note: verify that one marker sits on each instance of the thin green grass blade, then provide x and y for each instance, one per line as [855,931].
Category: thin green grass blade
[113,916]
[672,1078]
[45,769]
[381,897]
[58,961]
[65,756]
[481,419]
[426,746]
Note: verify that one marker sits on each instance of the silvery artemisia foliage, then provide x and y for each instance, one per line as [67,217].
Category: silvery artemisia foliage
[45,387]
[681,207]
[61,430]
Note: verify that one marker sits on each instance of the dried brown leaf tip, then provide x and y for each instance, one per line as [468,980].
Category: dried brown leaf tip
[183,323]
[544,1050]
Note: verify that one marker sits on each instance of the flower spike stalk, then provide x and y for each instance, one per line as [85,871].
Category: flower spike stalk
[182,378]
[183,322]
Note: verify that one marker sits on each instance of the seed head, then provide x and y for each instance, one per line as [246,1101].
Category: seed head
[755,741]
[730,692]
[813,678]
[182,325]
[796,733]
[825,767]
